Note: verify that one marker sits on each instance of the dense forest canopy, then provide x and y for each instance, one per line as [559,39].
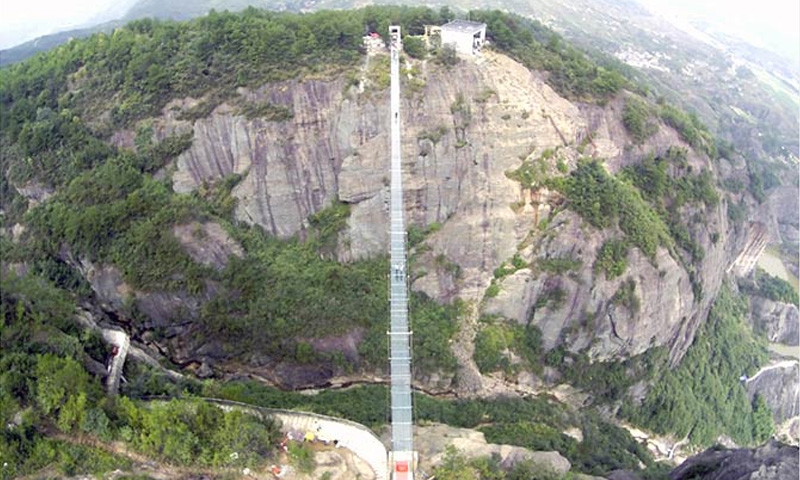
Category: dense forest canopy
[139,67]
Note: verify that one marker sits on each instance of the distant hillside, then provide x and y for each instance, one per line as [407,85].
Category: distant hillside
[165,10]
[747,95]
[181,10]
[48,42]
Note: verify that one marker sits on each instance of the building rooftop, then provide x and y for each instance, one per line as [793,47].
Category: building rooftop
[463,26]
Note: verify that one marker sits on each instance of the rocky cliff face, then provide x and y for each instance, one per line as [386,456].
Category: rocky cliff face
[780,213]
[463,130]
[431,442]
[588,318]
[779,384]
[773,461]
[757,239]
[777,320]
[170,313]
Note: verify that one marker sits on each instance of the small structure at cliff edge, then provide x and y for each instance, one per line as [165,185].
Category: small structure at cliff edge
[465,36]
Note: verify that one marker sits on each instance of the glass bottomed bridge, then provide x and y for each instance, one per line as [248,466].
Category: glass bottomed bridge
[402,456]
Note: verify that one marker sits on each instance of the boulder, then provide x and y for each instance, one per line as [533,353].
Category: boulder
[777,320]
[773,461]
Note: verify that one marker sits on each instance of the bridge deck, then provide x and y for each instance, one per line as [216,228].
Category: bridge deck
[399,334]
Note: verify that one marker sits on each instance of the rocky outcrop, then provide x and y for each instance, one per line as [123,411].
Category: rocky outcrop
[336,144]
[777,320]
[666,310]
[780,214]
[35,192]
[463,131]
[757,239]
[431,442]
[789,431]
[773,461]
[291,167]
[207,243]
[110,289]
[779,385]
[608,330]
[170,313]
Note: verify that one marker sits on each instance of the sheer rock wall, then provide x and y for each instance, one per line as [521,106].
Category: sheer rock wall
[464,129]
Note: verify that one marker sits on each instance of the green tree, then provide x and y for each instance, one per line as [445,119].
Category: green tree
[454,466]
[604,200]
[490,344]
[302,457]
[96,422]
[704,395]
[771,287]
[527,470]
[72,413]
[415,47]
[58,379]
[447,56]
[612,258]
[763,423]
[636,118]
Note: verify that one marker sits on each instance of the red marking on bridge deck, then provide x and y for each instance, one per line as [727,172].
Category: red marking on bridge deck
[401,471]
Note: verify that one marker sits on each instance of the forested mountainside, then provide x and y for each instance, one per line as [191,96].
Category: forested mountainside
[216,191]
[747,94]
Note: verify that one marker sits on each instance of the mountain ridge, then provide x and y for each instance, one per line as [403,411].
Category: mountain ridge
[226,227]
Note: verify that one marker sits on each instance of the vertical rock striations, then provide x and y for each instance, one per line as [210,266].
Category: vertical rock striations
[757,239]
[777,320]
[464,130]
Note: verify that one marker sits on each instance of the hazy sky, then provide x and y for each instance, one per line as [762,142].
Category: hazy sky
[23,20]
[784,15]
[765,20]
[766,23]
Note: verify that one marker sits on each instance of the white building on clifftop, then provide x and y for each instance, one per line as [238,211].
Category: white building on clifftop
[465,36]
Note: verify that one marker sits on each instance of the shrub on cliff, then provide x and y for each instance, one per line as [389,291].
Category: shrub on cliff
[636,118]
[604,200]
